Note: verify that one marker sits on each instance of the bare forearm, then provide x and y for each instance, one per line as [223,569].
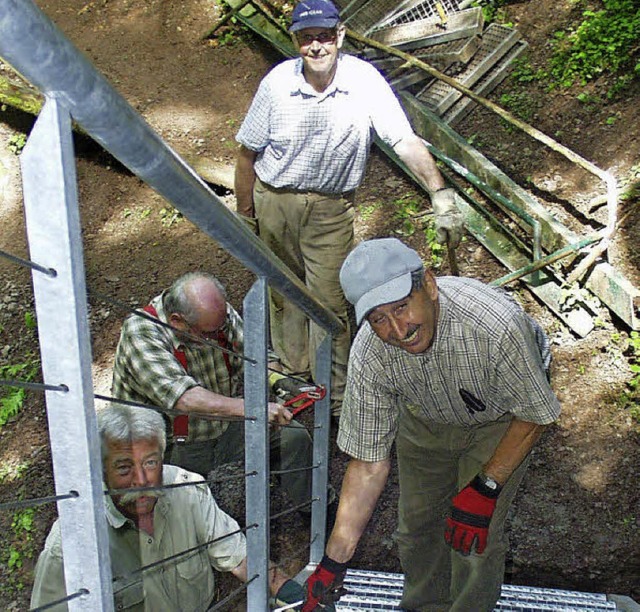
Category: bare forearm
[245,177]
[514,446]
[276,577]
[413,152]
[362,485]
[199,399]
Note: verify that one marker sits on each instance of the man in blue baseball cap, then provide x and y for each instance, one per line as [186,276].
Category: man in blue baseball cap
[314,14]
[304,147]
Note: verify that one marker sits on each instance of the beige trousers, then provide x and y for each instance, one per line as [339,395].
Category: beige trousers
[434,462]
[312,234]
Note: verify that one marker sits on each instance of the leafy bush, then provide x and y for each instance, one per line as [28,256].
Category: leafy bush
[12,398]
[493,10]
[602,42]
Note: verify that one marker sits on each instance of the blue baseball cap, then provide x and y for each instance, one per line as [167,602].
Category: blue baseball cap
[314,14]
[378,272]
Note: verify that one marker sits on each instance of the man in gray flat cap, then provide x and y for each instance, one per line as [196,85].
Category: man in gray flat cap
[456,374]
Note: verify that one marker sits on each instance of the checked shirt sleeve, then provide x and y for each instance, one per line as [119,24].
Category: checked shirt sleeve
[520,377]
[387,115]
[369,419]
[146,369]
[254,131]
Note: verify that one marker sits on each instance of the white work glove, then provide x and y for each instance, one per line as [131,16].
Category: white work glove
[448,218]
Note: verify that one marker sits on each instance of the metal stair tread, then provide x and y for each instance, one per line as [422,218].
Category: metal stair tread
[371,590]
[496,42]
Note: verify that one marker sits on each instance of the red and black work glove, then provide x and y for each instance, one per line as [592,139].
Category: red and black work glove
[324,586]
[468,525]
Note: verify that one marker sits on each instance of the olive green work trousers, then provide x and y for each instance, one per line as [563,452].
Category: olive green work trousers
[312,234]
[435,462]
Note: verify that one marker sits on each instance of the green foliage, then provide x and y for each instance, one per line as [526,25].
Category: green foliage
[630,399]
[408,212]
[134,213]
[17,142]
[437,249]
[12,398]
[602,42]
[366,212]
[520,103]
[30,320]
[493,11]
[170,216]
[21,547]
[12,470]
[523,72]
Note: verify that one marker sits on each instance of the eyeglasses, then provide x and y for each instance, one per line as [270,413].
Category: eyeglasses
[196,331]
[324,38]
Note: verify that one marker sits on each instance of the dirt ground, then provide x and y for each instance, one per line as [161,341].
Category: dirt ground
[576,522]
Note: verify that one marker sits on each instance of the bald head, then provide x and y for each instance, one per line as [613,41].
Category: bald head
[197,301]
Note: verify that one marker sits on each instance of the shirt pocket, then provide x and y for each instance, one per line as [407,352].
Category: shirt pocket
[195,588]
[192,568]
[347,144]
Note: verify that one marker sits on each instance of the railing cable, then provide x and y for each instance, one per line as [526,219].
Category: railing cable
[28,264]
[57,602]
[36,501]
[23,384]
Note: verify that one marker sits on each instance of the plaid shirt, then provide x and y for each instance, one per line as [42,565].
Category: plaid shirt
[146,369]
[488,359]
[320,142]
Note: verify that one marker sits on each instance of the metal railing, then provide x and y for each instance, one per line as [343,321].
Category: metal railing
[75,92]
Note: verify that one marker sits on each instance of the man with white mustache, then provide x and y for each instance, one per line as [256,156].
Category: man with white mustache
[455,373]
[147,527]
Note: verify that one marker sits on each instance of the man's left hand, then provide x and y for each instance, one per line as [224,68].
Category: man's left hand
[448,218]
[468,526]
[324,586]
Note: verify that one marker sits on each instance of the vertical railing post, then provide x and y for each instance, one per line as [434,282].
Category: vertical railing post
[55,242]
[256,321]
[322,416]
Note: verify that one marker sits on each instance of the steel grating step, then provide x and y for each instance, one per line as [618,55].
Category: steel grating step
[497,40]
[489,82]
[421,9]
[461,50]
[431,31]
[441,57]
[364,16]
[369,590]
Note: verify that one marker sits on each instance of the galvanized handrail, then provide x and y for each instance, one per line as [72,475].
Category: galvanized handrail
[36,48]
[74,90]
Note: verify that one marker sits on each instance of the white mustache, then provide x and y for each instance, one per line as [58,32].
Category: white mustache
[128,498]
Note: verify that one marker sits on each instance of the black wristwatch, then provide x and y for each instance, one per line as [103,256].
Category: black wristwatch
[488,485]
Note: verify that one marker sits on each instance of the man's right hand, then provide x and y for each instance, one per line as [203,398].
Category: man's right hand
[324,586]
[447,217]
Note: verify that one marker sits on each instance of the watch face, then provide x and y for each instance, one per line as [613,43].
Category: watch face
[489,482]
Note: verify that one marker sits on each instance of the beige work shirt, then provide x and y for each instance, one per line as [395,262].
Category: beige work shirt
[183,518]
